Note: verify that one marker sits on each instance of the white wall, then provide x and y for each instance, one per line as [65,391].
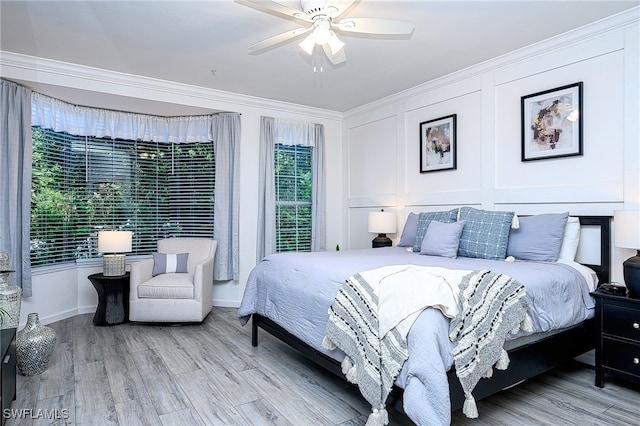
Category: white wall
[381,150]
[62,292]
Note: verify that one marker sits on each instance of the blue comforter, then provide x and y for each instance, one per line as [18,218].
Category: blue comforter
[296,289]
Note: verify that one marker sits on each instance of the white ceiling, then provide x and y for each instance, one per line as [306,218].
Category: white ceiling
[183,41]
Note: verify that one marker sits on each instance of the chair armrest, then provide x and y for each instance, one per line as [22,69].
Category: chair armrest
[140,272]
[203,275]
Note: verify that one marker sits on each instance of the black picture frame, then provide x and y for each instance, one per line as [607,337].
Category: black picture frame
[438,144]
[552,123]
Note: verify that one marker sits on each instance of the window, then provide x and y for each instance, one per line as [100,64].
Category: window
[293,178]
[81,185]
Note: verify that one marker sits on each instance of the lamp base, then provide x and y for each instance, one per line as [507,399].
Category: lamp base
[381,241]
[114,265]
[631,270]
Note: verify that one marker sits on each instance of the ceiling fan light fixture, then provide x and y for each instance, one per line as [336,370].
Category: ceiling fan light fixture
[335,44]
[308,44]
[324,16]
[321,34]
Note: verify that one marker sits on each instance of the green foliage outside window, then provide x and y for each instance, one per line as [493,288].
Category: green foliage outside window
[293,176]
[83,185]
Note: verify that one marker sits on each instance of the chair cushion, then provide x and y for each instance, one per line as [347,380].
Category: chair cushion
[199,249]
[167,286]
[169,262]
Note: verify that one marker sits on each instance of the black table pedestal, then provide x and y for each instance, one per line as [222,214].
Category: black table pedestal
[113,299]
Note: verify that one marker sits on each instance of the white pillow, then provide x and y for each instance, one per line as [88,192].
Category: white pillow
[570,240]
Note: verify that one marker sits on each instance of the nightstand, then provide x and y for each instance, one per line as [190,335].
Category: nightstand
[617,337]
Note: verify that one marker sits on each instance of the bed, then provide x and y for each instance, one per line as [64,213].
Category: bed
[289,295]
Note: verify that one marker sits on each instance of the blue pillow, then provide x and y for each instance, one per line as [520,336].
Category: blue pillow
[408,237]
[485,234]
[423,223]
[539,237]
[442,239]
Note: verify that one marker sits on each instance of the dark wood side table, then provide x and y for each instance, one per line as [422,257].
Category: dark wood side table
[618,337]
[8,376]
[113,299]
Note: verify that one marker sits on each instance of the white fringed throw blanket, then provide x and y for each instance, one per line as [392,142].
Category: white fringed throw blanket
[490,306]
[371,327]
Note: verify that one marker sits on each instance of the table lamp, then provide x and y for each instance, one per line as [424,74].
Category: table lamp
[382,223]
[112,244]
[627,235]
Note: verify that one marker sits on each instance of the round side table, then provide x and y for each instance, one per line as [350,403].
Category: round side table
[113,299]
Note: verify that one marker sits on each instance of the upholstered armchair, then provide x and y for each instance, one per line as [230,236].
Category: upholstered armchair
[173,287]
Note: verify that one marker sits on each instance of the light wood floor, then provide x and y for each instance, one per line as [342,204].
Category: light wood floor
[134,374]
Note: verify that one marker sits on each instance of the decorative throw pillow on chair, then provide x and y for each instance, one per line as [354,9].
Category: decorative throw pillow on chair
[165,263]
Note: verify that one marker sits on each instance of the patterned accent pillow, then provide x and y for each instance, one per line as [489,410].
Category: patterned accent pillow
[424,219]
[165,263]
[485,234]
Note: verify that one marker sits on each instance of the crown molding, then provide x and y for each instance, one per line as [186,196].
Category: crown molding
[49,71]
[586,32]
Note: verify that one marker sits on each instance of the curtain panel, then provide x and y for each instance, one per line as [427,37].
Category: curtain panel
[266,190]
[226,135]
[319,215]
[15,180]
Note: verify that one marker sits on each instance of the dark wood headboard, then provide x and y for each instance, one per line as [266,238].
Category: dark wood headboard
[603,270]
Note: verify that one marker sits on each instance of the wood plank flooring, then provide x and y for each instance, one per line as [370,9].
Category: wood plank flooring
[205,374]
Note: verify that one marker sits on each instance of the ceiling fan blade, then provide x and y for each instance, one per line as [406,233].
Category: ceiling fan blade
[341,6]
[276,9]
[374,26]
[335,58]
[278,39]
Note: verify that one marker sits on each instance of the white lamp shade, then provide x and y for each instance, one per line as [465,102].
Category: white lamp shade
[114,241]
[308,44]
[335,44]
[627,229]
[382,222]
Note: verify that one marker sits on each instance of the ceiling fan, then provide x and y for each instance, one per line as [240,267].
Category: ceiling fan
[323,18]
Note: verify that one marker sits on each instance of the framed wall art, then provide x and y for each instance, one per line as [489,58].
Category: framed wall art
[552,123]
[438,144]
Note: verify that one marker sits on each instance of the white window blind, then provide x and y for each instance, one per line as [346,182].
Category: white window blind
[84,184]
[293,182]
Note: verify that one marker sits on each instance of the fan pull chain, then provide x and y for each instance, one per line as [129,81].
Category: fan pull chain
[318,67]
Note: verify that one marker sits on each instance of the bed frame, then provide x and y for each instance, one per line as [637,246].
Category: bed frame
[525,361]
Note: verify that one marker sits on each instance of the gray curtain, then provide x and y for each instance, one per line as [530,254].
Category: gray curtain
[267,190]
[267,197]
[225,130]
[318,215]
[15,180]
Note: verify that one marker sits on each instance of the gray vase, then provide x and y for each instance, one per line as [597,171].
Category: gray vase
[10,296]
[34,345]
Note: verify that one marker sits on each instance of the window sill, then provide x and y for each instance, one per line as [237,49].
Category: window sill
[80,263]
